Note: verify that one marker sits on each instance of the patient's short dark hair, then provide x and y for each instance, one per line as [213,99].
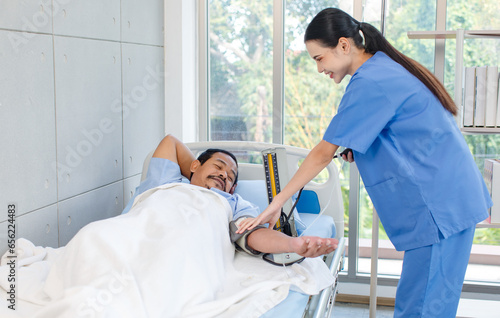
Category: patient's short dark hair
[207,154]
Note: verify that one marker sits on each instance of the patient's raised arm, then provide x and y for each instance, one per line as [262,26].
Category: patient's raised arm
[176,151]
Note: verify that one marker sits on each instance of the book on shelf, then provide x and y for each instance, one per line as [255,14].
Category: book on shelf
[469,96]
[498,101]
[480,107]
[481,104]
[491,96]
[492,180]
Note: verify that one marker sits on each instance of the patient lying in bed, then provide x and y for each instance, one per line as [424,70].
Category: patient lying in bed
[170,255]
[217,170]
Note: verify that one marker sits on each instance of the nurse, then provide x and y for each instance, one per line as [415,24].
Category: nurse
[416,166]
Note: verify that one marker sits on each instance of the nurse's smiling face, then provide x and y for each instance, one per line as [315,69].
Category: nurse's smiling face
[334,62]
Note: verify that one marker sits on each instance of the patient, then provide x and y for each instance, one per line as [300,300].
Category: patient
[217,170]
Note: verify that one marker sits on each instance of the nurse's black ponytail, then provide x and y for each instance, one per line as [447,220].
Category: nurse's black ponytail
[331,24]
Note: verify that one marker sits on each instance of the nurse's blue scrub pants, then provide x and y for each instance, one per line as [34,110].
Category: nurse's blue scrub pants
[432,278]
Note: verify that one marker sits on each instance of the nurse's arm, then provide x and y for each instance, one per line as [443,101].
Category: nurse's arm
[319,157]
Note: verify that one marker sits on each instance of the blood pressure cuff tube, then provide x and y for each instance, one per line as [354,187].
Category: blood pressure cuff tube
[240,240]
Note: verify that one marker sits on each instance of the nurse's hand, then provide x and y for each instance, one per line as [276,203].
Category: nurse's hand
[347,155]
[270,215]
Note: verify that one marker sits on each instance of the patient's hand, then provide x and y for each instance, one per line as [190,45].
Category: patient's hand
[312,246]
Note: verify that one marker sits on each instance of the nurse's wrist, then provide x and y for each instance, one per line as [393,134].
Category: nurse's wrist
[279,200]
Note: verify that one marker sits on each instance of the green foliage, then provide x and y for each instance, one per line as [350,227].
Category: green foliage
[241,50]
[310,101]
[402,18]
[241,70]
[487,236]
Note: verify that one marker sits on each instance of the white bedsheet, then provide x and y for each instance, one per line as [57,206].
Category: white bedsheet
[170,256]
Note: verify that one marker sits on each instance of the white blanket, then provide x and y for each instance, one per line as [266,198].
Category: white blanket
[170,256]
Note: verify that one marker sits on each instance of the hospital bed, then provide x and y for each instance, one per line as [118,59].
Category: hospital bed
[316,198]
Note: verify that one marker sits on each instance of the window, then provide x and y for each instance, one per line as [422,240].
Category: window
[241,43]
[311,100]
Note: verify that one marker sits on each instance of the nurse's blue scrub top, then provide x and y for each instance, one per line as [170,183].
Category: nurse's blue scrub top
[413,159]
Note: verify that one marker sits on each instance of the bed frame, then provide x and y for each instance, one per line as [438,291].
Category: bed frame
[328,194]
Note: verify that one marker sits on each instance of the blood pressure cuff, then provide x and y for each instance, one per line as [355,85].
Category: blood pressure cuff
[240,240]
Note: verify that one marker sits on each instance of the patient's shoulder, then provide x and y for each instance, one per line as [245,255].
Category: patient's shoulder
[163,166]
[162,171]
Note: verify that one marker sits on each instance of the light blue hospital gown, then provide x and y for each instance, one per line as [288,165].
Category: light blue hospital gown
[162,171]
[414,162]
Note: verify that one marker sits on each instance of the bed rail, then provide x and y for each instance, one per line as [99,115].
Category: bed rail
[321,305]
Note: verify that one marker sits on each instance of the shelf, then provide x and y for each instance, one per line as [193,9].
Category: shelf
[488,225]
[482,34]
[453,34]
[432,34]
[482,130]
[460,35]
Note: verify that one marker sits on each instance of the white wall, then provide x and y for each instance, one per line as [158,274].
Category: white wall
[181,74]
[82,103]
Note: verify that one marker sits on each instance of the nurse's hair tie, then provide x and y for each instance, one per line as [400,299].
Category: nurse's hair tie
[362,36]
[360,25]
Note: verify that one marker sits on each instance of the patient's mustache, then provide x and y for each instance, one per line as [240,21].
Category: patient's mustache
[219,178]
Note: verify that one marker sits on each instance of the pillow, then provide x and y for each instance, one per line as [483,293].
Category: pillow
[318,225]
[254,191]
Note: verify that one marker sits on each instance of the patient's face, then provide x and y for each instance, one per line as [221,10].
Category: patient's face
[217,172]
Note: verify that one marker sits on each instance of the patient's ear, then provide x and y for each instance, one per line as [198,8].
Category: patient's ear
[194,165]
[231,191]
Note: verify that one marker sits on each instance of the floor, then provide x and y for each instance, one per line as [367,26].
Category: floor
[349,310]
[468,308]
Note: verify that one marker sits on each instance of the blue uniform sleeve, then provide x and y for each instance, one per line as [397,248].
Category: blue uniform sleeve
[161,171]
[363,113]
